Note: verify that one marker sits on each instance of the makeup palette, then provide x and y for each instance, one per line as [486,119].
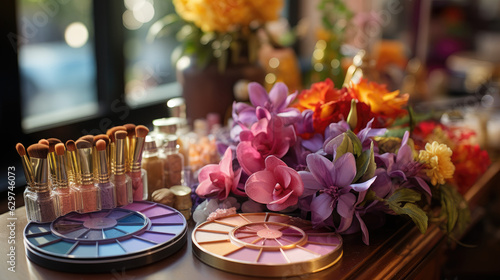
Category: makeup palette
[265,244]
[130,236]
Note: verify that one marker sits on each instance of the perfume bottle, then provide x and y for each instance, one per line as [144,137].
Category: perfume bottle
[122,181]
[65,194]
[106,187]
[40,202]
[90,193]
[173,162]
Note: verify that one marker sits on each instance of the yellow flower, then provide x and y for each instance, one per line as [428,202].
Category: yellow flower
[227,15]
[437,158]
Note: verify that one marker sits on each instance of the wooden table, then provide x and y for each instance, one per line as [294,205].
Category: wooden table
[396,251]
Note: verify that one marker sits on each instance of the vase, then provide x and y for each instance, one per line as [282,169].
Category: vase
[210,90]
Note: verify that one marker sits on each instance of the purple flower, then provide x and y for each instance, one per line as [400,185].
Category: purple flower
[402,166]
[336,129]
[268,136]
[276,102]
[330,184]
[217,180]
[278,185]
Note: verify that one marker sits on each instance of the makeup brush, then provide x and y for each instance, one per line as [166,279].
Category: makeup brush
[89,138]
[52,156]
[107,140]
[40,203]
[111,134]
[123,185]
[107,188]
[28,169]
[43,141]
[66,196]
[138,175]
[129,145]
[74,167]
[91,200]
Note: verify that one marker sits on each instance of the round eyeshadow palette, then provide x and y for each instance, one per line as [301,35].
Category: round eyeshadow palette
[265,244]
[130,236]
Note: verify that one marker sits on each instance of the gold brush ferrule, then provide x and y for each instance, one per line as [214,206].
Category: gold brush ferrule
[119,157]
[102,164]
[61,174]
[40,175]
[52,164]
[28,169]
[85,156]
[129,152]
[136,163]
[112,157]
[75,166]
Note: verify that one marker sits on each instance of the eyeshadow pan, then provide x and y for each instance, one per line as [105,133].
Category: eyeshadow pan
[265,244]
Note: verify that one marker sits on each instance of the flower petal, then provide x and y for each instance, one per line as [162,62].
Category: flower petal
[226,163]
[361,187]
[206,170]
[311,186]
[278,95]
[345,205]
[345,170]
[321,168]
[250,159]
[258,94]
[321,208]
[364,229]
[260,186]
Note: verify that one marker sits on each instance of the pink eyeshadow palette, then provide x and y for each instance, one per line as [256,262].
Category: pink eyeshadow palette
[131,236]
[265,244]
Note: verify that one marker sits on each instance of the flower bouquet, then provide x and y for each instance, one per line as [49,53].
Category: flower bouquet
[333,156]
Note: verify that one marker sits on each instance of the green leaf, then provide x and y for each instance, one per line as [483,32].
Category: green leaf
[345,147]
[372,166]
[418,216]
[455,209]
[352,118]
[356,143]
[404,195]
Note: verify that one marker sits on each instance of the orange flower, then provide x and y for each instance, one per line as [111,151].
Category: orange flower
[381,101]
[320,94]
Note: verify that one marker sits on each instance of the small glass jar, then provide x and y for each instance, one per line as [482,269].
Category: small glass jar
[153,165]
[66,198]
[123,186]
[173,162]
[41,205]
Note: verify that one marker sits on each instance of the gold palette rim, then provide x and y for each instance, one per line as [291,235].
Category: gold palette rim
[248,268]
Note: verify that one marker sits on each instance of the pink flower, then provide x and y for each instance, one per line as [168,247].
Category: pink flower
[268,136]
[217,180]
[278,185]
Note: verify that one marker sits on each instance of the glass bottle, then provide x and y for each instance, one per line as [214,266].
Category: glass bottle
[122,181]
[153,165]
[65,194]
[90,193]
[173,162]
[41,203]
[106,187]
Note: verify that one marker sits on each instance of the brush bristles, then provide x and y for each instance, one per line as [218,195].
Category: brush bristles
[141,131]
[100,145]
[103,137]
[60,149]
[82,144]
[53,141]
[120,134]
[44,142]
[88,138]
[38,151]
[130,129]
[20,149]
[111,132]
[70,145]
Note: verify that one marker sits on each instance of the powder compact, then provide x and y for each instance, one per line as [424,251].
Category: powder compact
[130,236]
[265,244]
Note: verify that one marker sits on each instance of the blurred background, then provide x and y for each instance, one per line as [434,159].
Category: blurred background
[71,68]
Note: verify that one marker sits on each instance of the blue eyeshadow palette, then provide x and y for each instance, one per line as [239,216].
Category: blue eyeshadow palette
[127,237]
